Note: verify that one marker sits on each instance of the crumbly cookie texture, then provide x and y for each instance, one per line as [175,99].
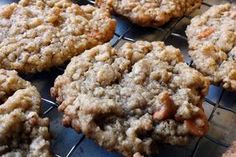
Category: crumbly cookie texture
[212,44]
[22,131]
[130,99]
[38,34]
[231,152]
[152,13]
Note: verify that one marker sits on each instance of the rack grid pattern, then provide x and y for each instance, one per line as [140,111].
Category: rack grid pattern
[126,32]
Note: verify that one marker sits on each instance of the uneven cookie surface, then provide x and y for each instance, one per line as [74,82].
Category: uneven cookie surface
[231,152]
[212,44]
[22,131]
[38,34]
[130,99]
[150,12]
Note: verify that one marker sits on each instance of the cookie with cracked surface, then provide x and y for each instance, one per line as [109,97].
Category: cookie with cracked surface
[129,99]
[152,13]
[22,131]
[231,152]
[212,44]
[36,35]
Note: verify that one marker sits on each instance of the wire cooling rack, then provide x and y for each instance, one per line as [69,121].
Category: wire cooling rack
[220,105]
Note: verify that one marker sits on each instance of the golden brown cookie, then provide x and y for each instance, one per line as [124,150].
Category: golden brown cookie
[152,13]
[212,41]
[22,131]
[37,34]
[130,99]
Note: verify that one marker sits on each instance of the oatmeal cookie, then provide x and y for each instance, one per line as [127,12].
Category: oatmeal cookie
[231,152]
[38,34]
[212,44]
[22,131]
[152,13]
[130,99]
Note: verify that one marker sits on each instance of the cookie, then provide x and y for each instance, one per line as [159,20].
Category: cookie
[36,34]
[130,99]
[212,41]
[231,152]
[22,131]
[152,13]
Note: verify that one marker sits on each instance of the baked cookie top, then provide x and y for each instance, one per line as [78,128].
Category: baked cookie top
[231,152]
[212,44]
[132,98]
[38,34]
[22,131]
[152,13]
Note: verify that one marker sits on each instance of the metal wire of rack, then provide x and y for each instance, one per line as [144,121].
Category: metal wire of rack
[119,37]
